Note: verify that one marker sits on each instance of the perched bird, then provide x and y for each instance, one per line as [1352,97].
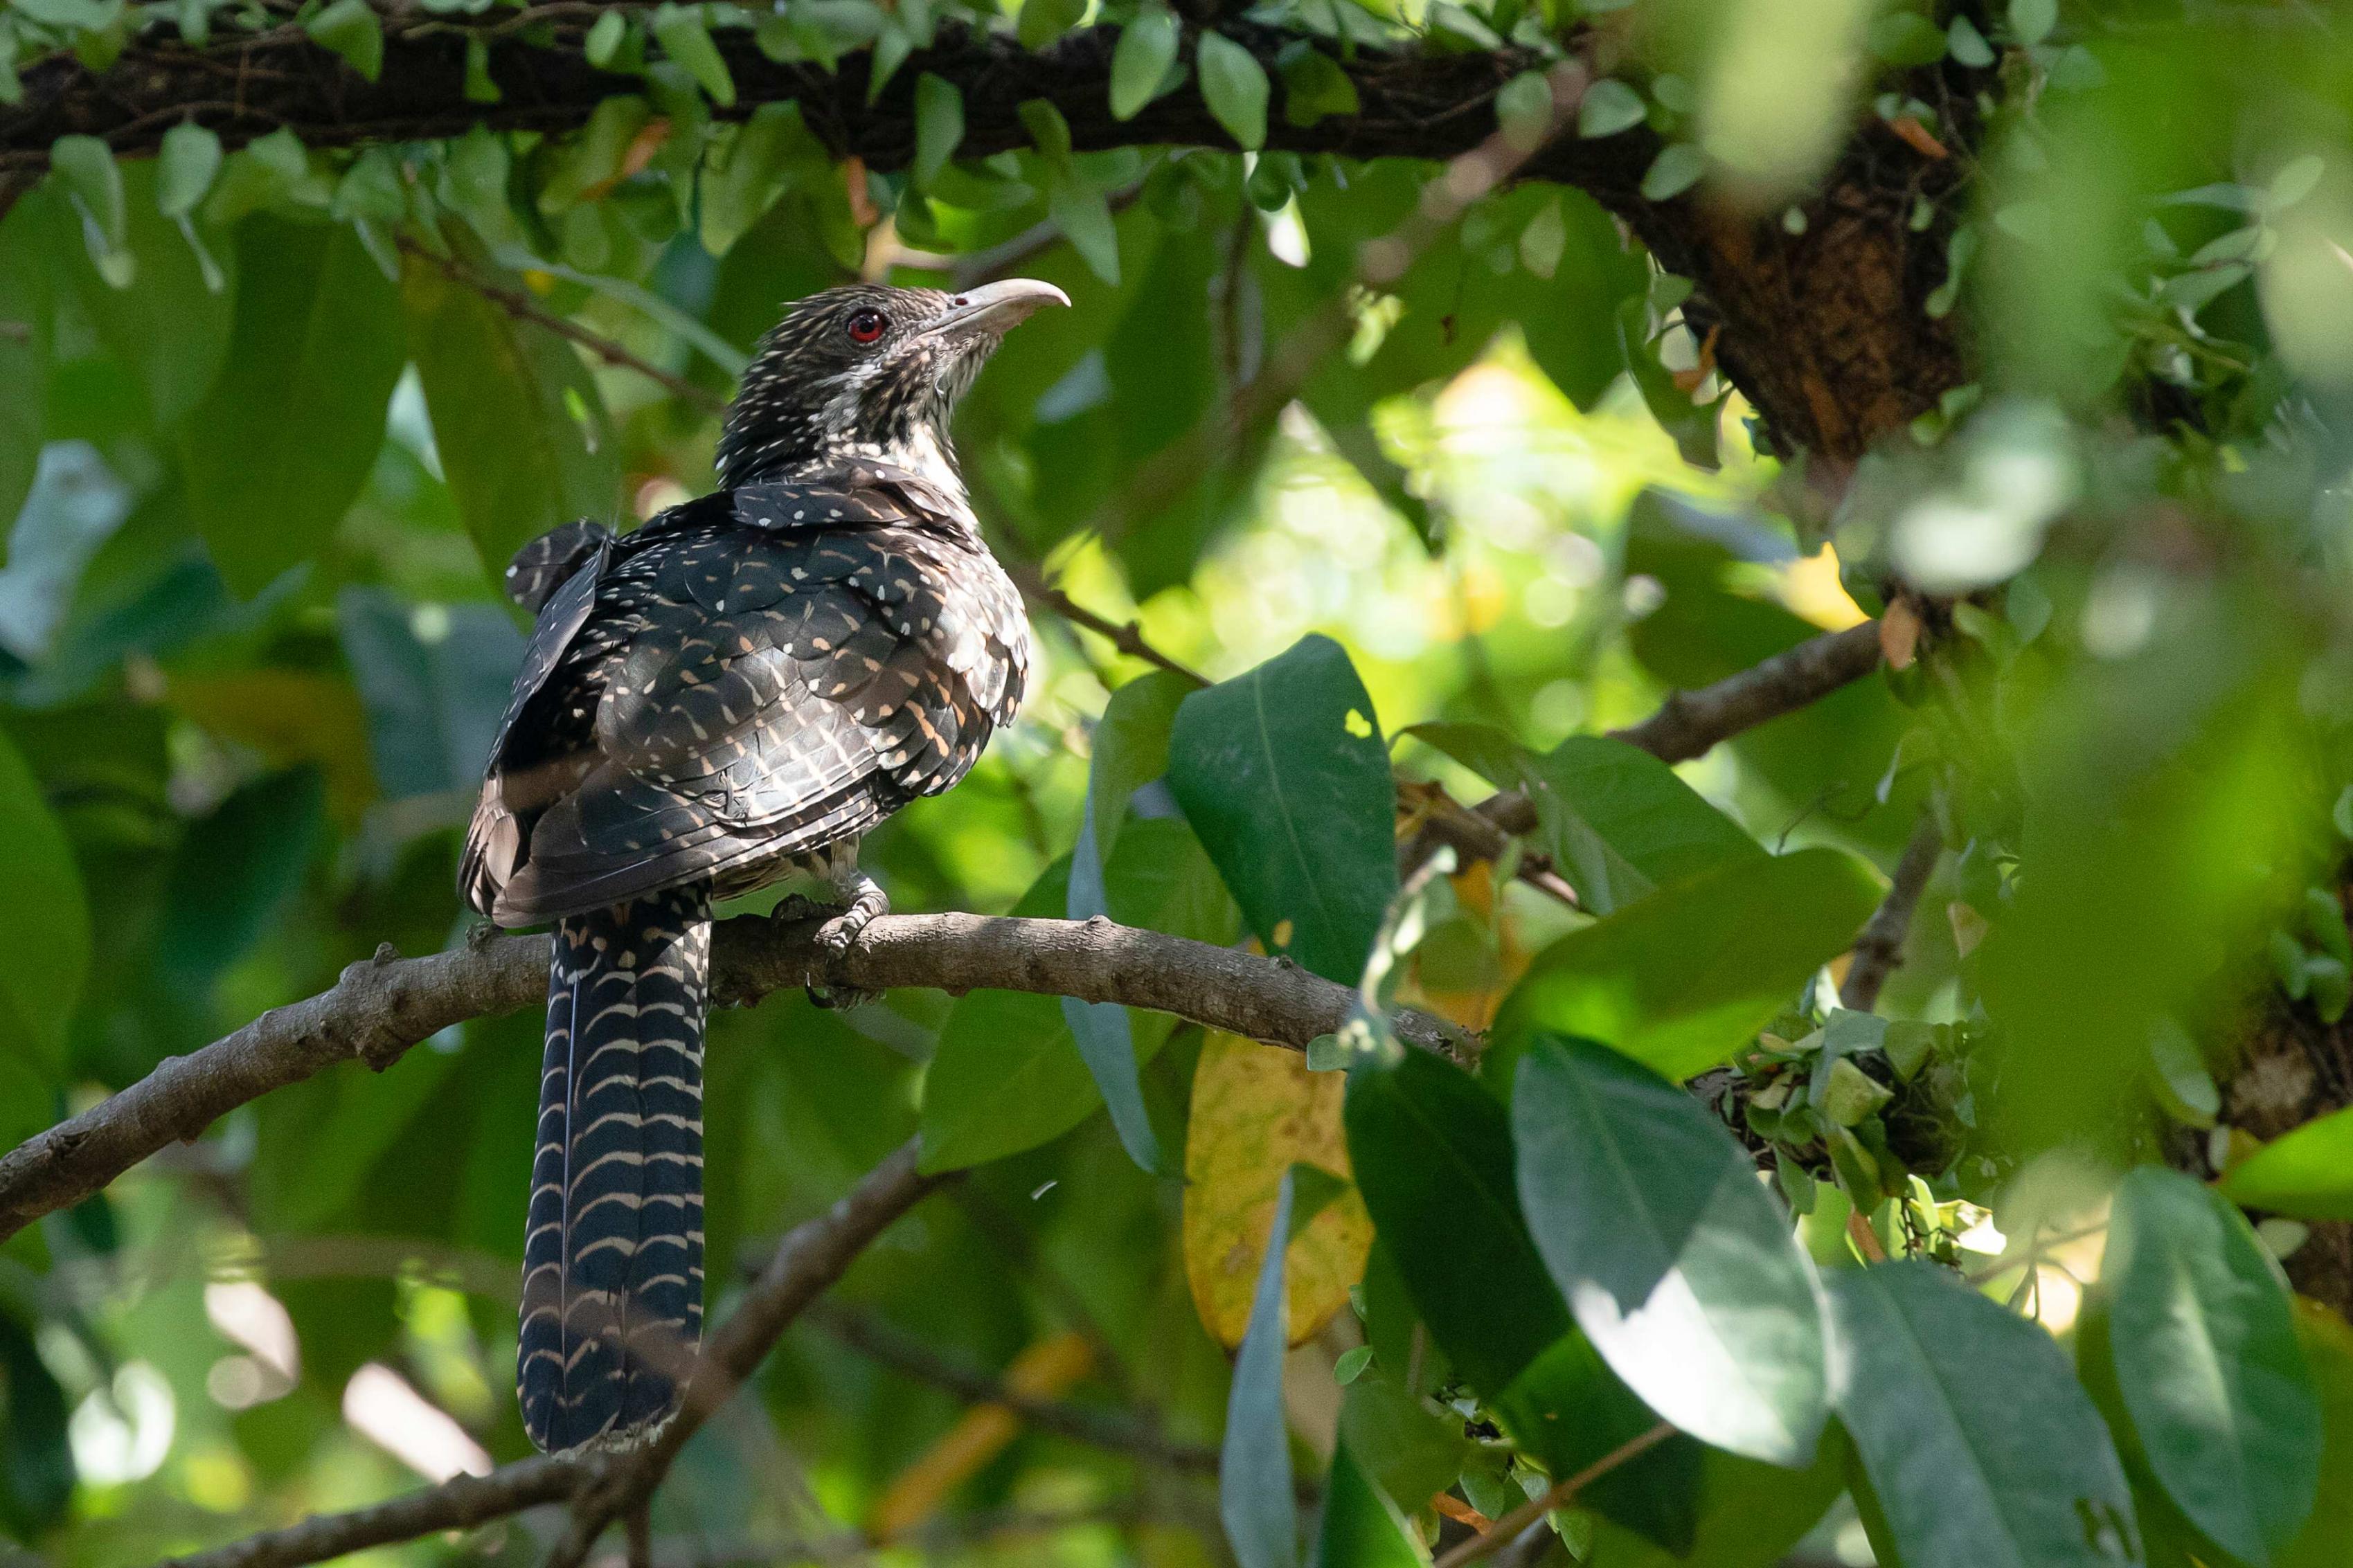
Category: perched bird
[731,694]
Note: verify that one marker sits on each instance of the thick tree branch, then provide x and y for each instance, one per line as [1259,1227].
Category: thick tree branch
[381,1008]
[1824,325]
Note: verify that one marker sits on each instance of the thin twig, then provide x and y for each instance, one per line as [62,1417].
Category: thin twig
[1879,951]
[1113,1431]
[1509,1528]
[1128,639]
[459,1503]
[515,303]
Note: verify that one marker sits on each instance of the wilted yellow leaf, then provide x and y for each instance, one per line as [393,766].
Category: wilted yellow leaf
[1257,1111]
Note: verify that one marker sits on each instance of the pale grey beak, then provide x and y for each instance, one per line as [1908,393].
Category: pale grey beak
[998,308]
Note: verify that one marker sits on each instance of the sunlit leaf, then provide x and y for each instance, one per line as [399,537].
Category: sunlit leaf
[2307,1173]
[1234,86]
[1676,1261]
[351,29]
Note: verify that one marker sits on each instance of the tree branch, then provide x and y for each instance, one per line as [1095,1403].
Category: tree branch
[381,1008]
[1690,723]
[1879,951]
[459,1503]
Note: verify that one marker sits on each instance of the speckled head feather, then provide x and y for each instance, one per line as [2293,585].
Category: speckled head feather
[868,371]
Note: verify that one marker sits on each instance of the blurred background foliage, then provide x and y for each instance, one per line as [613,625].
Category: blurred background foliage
[272,419]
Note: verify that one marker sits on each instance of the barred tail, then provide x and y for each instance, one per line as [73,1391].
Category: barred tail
[612,1284]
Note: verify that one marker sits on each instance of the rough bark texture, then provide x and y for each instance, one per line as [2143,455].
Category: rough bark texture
[2293,1068]
[1825,330]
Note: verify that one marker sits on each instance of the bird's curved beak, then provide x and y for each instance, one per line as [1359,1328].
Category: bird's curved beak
[995,308]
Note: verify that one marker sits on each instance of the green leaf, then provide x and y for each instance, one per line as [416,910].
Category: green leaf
[1283,774]
[1675,169]
[1314,86]
[1432,1155]
[1099,1029]
[1981,1448]
[1233,84]
[939,125]
[1901,38]
[1006,1075]
[1967,45]
[185,166]
[1682,979]
[37,1463]
[1043,21]
[1609,107]
[1254,1495]
[2306,1173]
[1618,822]
[26,303]
[773,150]
[1524,107]
[684,35]
[501,393]
[234,874]
[85,168]
[1140,61]
[2030,21]
[1431,1150]
[2327,1539]
[603,45]
[1751,1515]
[46,913]
[1675,1260]
[1361,1528]
[170,330]
[2205,1358]
[280,449]
[350,28]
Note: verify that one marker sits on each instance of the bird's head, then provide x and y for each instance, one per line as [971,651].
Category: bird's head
[868,371]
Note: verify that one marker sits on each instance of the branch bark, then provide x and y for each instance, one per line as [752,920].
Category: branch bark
[1879,951]
[1823,323]
[382,1006]
[459,1503]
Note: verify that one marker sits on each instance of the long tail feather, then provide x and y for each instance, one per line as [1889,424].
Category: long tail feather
[612,1287]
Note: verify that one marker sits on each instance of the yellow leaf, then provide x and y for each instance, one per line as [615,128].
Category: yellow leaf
[1257,1111]
[1045,1371]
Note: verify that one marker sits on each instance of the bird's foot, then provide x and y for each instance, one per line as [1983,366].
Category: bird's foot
[837,936]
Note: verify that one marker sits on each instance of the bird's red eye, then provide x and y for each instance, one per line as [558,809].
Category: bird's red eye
[866,326]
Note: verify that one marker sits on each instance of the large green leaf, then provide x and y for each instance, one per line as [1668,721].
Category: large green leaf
[2205,1358]
[1255,1497]
[235,873]
[523,436]
[1682,979]
[1618,822]
[1432,1155]
[1676,1261]
[2307,1173]
[36,1464]
[280,446]
[2327,1539]
[1982,1450]
[1283,775]
[169,329]
[1751,1515]
[44,919]
[25,314]
[1361,1528]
